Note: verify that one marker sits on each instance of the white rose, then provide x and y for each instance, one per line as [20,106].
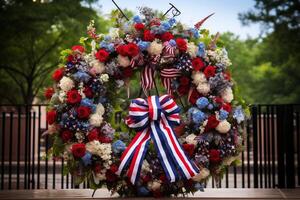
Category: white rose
[97,67]
[203,88]
[104,78]
[223,127]
[191,139]
[66,84]
[227,95]
[155,48]
[192,49]
[123,61]
[198,77]
[96,120]
[204,173]
[100,109]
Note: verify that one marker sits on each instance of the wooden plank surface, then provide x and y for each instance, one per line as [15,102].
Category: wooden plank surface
[104,194]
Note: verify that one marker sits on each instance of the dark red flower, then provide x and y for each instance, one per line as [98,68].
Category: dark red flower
[73,97]
[146,178]
[127,72]
[113,168]
[132,49]
[88,92]
[163,178]
[104,139]
[78,150]
[66,135]
[71,58]
[93,134]
[83,112]
[102,55]
[183,90]
[214,156]
[58,74]
[97,168]
[167,36]
[209,71]
[198,64]
[78,48]
[194,96]
[122,50]
[139,26]
[226,106]
[148,36]
[189,148]
[181,44]
[110,176]
[218,100]
[211,123]
[184,80]
[49,93]
[155,22]
[51,116]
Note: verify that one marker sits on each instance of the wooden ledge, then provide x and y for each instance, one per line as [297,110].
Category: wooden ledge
[209,193]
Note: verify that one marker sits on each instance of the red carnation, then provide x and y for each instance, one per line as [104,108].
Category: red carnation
[181,44]
[167,36]
[184,80]
[127,72]
[214,156]
[139,26]
[132,49]
[209,71]
[113,168]
[148,36]
[122,50]
[83,112]
[97,168]
[88,92]
[78,150]
[198,64]
[58,74]
[51,116]
[102,55]
[66,135]
[73,97]
[49,93]
[211,123]
[183,90]
[78,48]
[194,96]
[93,134]
[227,107]
[189,148]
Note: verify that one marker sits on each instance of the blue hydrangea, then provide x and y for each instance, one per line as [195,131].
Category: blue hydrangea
[238,114]
[172,43]
[172,21]
[118,147]
[143,45]
[195,32]
[88,103]
[165,26]
[198,117]
[210,106]
[202,102]
[143,191]
[81,76]
[103,44]
[87,159]
[107,38]
[201,49]
[223,114]
[137,19]
[110,47]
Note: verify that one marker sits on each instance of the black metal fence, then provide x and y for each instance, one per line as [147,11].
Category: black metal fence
[270,159]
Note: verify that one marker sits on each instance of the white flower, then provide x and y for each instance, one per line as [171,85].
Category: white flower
[113,33]
[145,166]
[223,127]
[198,77]
[66,84]
[123,61]
[62,96]
[202,127]
[227,95]
[191,139]
[97,67]
[204,173]
[102,150]
[100,109]
[203,88]
[192,49]
[155,48]
[104,78]
[155,185]
[96,120]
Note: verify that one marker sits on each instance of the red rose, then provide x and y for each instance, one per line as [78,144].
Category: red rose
[209,71]
[78,48]
[66,135]
[181,44]
[148,36]
[183,90]
[73,97]
[93,134]
[102,55]
[184,80]
[189,149]
[227,107]
[214,156]
[71,58]
[211,123]
[227,75]
[88,92]
[51,116]
[132,49]
[83,112]
[139,26]
[113,168]
[194,96]
[127,72]
[49,93]
[122,50]
[78,150]
[198,64]
[167,36]
[97,168]
[111,176]
[58,74]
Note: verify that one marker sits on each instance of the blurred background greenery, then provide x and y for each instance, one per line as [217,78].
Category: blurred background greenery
[33,32]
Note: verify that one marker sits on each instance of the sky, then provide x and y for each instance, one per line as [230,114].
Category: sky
[224,19]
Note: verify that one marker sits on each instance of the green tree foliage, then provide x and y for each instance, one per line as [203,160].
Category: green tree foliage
[33,32]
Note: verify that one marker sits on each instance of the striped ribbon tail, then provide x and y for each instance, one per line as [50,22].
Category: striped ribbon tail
[167,75]
[147,78]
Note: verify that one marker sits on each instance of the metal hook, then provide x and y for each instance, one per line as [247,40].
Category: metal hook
[175,11]
[120,10]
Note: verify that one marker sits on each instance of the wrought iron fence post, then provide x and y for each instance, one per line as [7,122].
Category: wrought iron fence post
[255,149]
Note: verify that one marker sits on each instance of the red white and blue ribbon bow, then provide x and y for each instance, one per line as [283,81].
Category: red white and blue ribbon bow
[153,119]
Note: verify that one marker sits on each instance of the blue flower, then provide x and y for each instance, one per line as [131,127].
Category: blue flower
[195,32]
[87,159]
[137,19]
[172,43]
[172,21]
[210,106]
[198,117]
[202,102]
[143,191]
[81,76]
[110,47]
[88,103]
[199,186]
[143,45]
[201,49]
[103,44]
[223,114]
[165,26]
[118,147]
[238,114]
[107,38]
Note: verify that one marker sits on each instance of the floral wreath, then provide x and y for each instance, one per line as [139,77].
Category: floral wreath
[166,144]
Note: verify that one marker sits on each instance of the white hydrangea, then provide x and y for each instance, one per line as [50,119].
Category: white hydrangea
[227,95]
[123,61]
[192,49]
[100,109]
[97,67]
[191,139]
[204,173]
[198,77]
[104,78]
[96,120]
[223,127]
[155,48]
[203,88]
[103,150]
[66,83]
